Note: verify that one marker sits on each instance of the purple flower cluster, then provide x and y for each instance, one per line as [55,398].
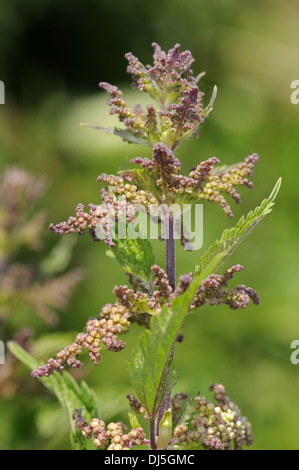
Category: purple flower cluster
[213,290]
[114,319]
[171,83]
[101,218]
[103,329]
[204,182]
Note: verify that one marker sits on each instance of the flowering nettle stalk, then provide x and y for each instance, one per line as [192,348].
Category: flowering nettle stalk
[155,299]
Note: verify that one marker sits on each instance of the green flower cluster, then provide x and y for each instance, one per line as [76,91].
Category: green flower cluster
[112,437]
[213,426]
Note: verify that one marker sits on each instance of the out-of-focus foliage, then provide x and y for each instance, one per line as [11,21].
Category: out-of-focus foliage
[24,283]
[71,396]
[52,55]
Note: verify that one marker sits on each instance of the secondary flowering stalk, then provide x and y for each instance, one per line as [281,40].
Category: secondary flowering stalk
[21,226]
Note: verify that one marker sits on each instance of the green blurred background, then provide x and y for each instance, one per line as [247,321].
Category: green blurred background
[52,56]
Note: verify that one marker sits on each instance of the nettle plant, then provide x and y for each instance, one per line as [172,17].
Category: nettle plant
[155,300]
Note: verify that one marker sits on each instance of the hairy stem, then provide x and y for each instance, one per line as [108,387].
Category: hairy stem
[152,433]
[170,271]
[170,252]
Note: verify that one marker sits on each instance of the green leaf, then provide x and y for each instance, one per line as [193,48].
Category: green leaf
[136,256]
[22,355]
[232,237]
[209,108]
[70,394]
[151,368]
[133,420]
[59,258]
[165,430]
[125,134]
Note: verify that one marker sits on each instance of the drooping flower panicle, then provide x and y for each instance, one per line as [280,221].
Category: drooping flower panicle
[103,329]
[136,306]
[214,291]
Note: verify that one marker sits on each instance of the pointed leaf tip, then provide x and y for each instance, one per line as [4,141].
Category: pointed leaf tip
[232,237]
[275,190]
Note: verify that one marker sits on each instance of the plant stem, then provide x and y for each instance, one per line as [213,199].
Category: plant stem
[170,252]
[170,271]
[152,433]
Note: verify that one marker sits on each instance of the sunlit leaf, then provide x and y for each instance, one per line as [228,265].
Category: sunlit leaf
[232,237]
[136,256]
[125,134]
